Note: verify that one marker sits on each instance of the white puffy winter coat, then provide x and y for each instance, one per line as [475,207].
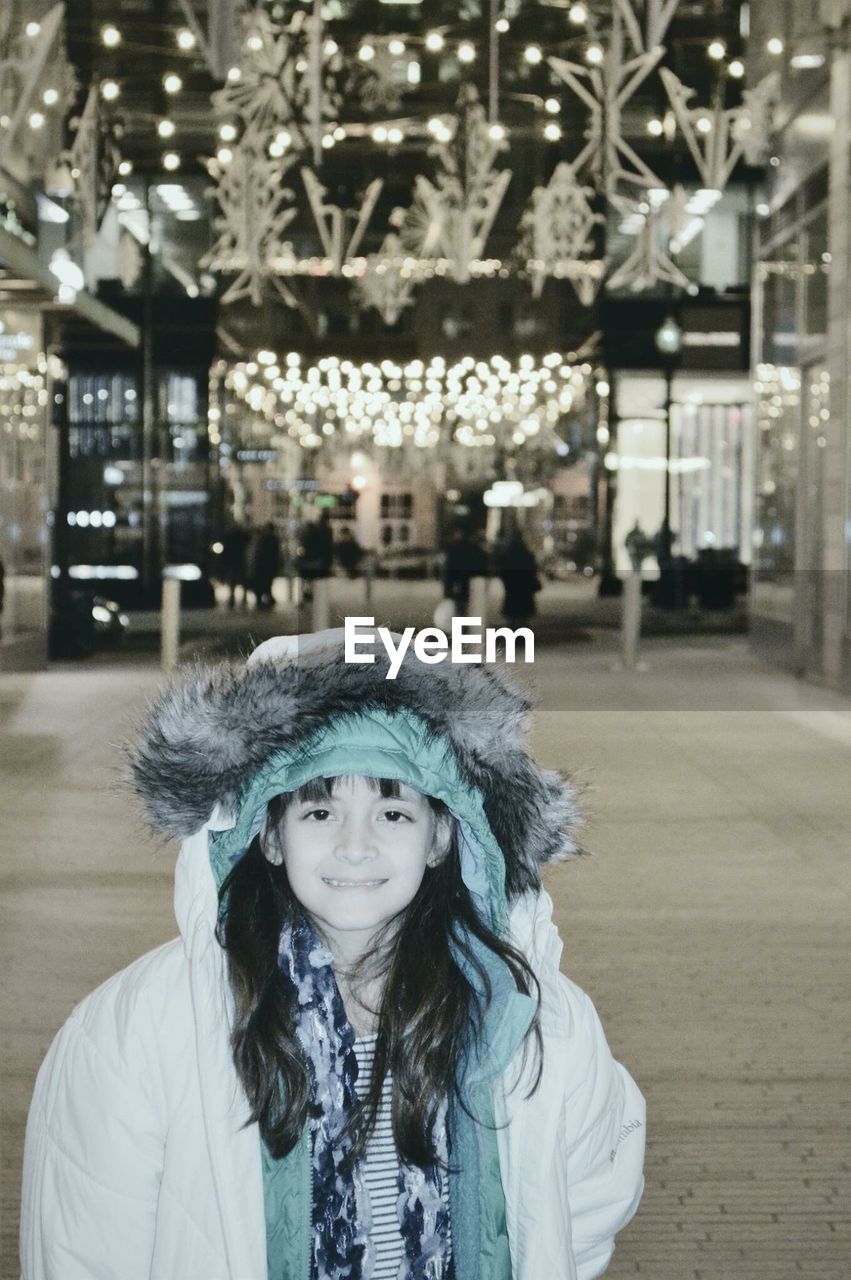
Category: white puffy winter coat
[137,1165]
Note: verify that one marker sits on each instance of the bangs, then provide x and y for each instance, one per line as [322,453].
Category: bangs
[323,788]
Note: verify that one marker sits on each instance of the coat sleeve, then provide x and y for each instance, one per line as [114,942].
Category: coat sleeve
[603,1129]
[601,1111]
[93,1152]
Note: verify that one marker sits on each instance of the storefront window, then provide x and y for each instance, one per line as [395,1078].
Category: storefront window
[816,269]
[23,491]
[778,400]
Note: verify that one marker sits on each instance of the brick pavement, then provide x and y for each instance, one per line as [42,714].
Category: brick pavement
[710,928]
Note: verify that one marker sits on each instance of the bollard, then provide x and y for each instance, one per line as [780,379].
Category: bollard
[639,548]
[321,604]
[631,621]
[368,579]
[479,599]
[170,623]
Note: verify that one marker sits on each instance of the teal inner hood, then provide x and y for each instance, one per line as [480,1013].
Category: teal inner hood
[378,744]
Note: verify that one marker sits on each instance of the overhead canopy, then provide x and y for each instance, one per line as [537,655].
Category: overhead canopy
[26,281]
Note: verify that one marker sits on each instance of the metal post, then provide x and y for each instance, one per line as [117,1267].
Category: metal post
[170,623]
[315,62]
[631,621]
[479,599]
[493,64]
[368,578]
[321,604]
[669,378]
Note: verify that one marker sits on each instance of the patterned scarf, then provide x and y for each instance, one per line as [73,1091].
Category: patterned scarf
[342,1245]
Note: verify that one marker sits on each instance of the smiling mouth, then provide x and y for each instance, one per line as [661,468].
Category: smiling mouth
[352,884]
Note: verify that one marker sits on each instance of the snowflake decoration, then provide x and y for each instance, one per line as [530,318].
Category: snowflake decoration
[385,285]
[646,22]
[93,160]
[331,220]
[753,128]
[274,88]
[719,137]
[557,229]
[377,83]
[605,90]
[649,263]
[255,209]
[453,215]
[28,68]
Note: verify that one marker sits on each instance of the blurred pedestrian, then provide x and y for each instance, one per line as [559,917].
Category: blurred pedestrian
[265,565]
[518,572]
[349,553]
[234,559]
[463,560]
[317,552]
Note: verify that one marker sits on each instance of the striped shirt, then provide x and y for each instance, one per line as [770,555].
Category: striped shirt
[381,1169]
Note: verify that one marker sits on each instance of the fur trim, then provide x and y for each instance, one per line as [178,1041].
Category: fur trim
[211,729]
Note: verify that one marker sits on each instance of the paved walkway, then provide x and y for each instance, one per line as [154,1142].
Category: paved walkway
[710,927]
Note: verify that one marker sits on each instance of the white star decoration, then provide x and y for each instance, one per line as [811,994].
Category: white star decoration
[255,209]
[331,220]
[453,215]
[557,229]
[727,134]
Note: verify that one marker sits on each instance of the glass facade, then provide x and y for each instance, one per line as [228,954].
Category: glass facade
[24,484]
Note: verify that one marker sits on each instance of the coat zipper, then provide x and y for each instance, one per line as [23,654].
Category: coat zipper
[311,1139]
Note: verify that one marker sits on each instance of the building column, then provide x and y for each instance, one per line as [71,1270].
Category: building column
[835,513]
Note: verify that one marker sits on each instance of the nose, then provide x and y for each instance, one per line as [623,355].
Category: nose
[355,842]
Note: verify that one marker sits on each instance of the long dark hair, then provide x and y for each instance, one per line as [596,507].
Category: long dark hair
[429,1014]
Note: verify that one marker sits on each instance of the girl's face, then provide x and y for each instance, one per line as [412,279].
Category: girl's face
[356,860]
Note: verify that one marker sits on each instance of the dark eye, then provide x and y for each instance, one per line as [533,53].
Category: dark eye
[397,813]
[312,813]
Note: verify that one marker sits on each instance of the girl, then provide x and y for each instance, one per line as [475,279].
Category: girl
[359,1060]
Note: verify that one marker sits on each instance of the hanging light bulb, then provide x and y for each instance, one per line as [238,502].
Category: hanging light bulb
[366,53]
[594,54]
[434,42]
[35,119]
[379,133]
[578,14]
[704,124]
[32,29]
[655,128]
[736,69]
[110,90]
[532,53]
[466,52]
[172,82]
[224,155]
[50,97]
[254,43]
[396,47]
[234,75]
[552,131]
[165,128]
[186,39]
[496,132]
[775,46]
[110,36]
[716,50]
[552,106]
[227,132]
[171,161]
[502,25]
[125,168]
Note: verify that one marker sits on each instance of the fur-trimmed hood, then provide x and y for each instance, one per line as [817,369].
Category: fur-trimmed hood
[214,728]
